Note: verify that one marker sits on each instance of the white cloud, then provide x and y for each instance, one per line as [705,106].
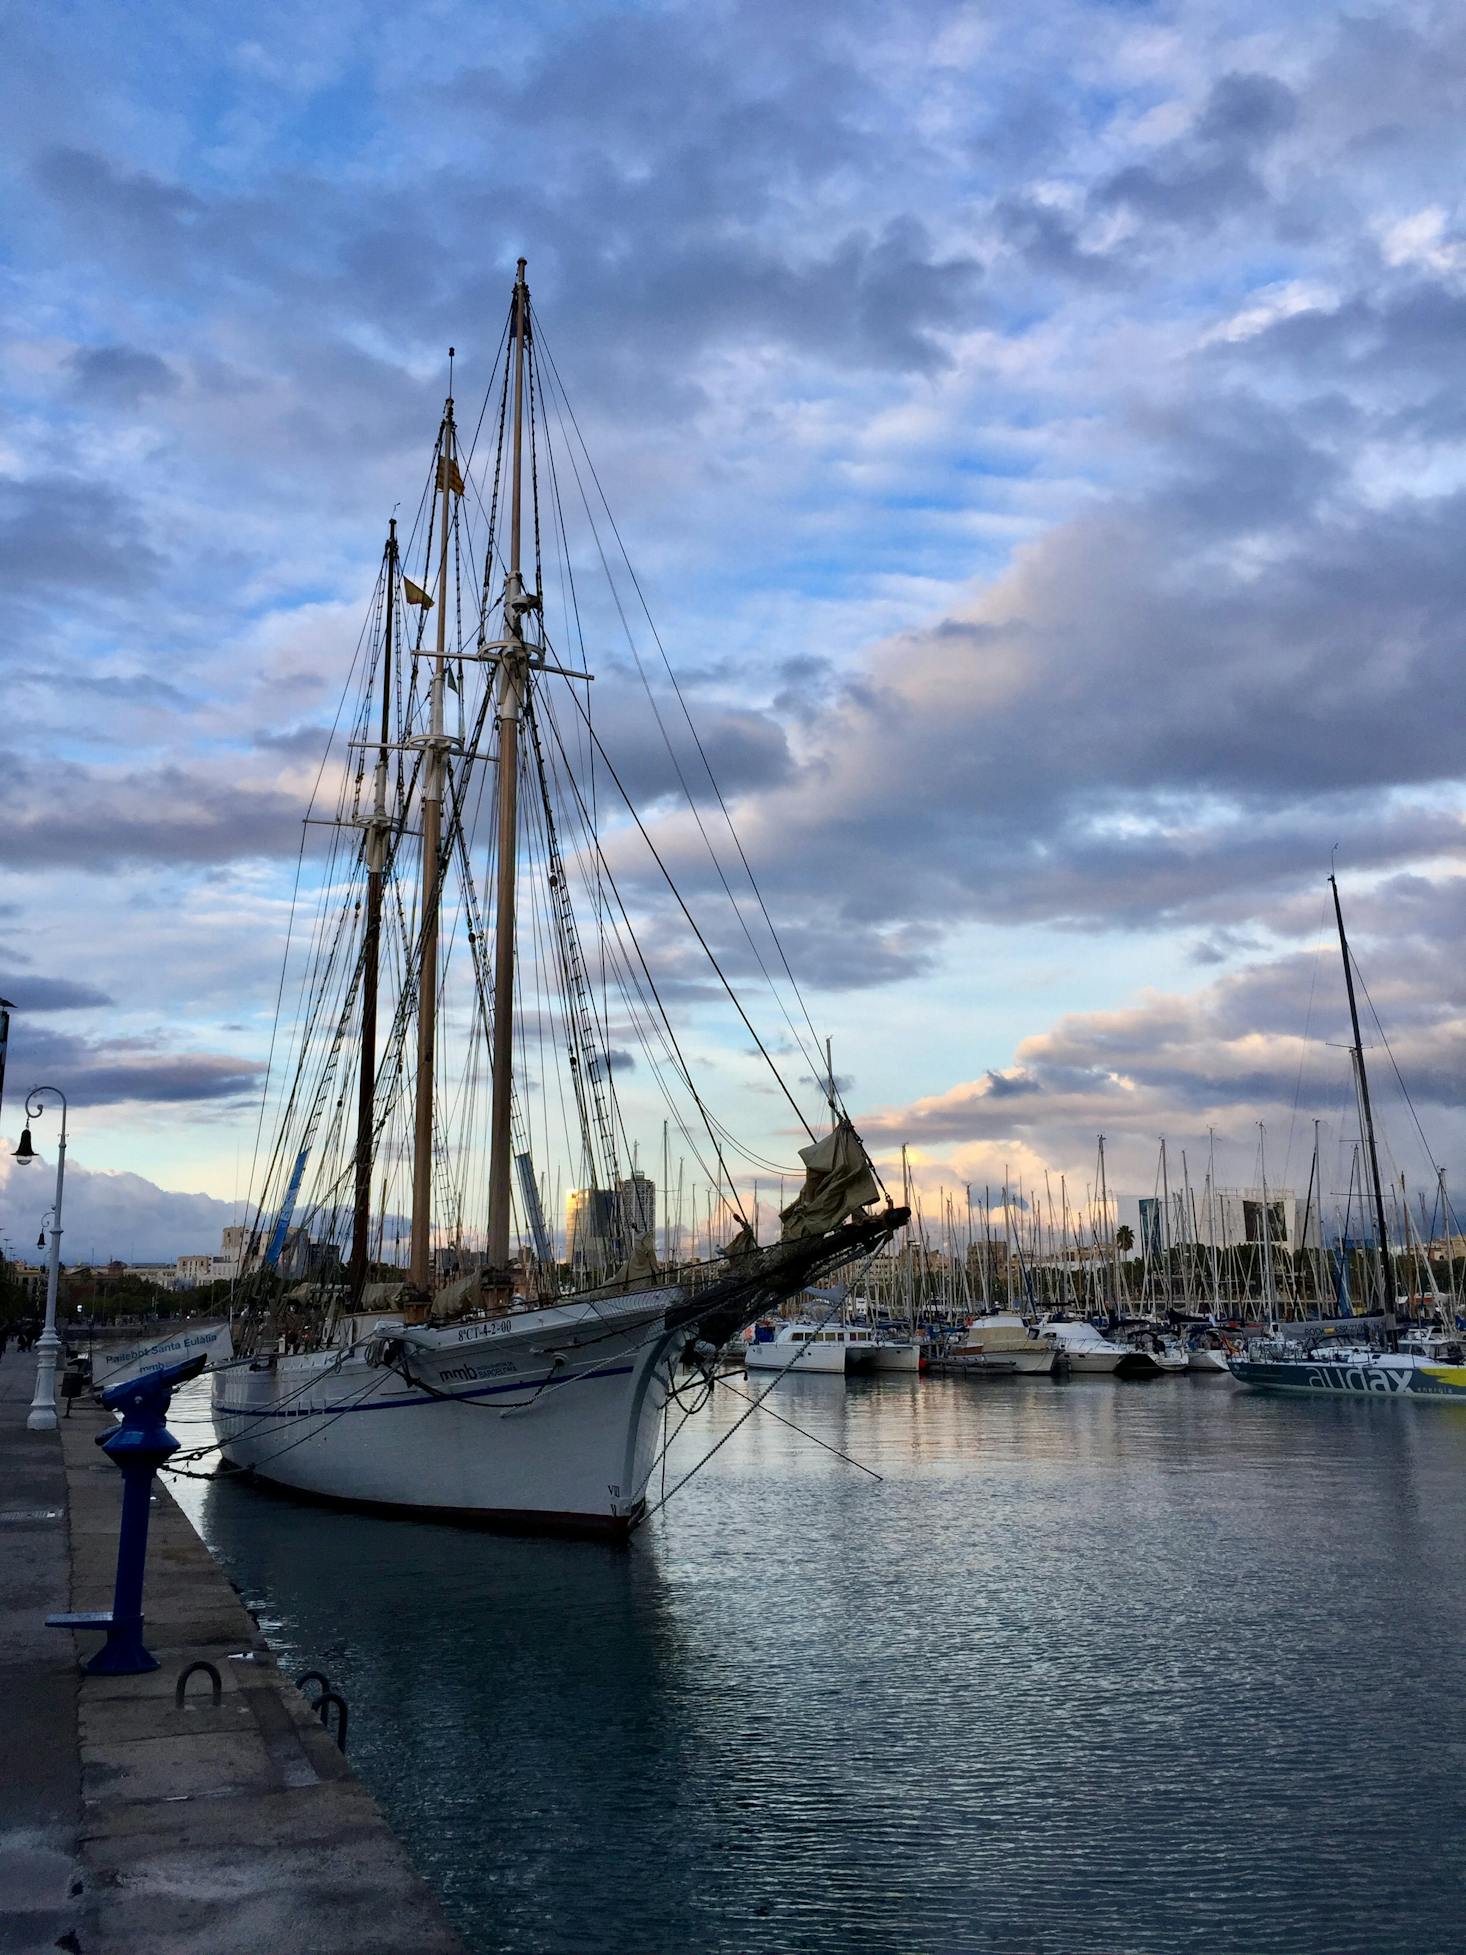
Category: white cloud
[1268,305]
[1421,240]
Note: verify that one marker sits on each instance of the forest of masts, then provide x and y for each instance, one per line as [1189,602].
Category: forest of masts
[1040,1248]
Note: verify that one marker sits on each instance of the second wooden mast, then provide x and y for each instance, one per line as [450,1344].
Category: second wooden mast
[378,829]
[435,746]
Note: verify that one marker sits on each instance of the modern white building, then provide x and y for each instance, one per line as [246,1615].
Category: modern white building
[1229,1218]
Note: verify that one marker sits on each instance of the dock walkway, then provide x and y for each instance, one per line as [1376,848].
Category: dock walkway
[128,1824]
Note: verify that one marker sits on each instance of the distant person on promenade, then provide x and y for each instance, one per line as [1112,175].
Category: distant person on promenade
[4,1338]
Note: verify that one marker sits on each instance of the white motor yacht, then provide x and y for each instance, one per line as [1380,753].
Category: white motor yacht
[1083,1346]
[805,1345]
[1003,1341]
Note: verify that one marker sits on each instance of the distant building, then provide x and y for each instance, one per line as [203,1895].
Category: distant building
[636,1197]
[1229,1218]
[163,1274]
[602,1224]
[592,1229]
[235,1244]
[192,1272]
[29,1281]
[299,1258]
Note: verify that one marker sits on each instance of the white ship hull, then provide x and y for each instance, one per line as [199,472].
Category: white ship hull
[1029,1360]
[803,1358]
[897,1356]
[539,1419]
[1208,1360]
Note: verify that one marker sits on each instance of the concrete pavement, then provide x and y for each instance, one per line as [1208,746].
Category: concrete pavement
[40,1778]
[132,1824]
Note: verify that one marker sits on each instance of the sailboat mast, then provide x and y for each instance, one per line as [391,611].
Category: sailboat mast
[1268,1288]
[1166,1218]
[1386,1287]
[420,1261]
[376,858]
[513,679]
[1104,1195]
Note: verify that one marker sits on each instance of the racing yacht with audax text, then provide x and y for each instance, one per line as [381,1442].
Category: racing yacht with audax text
[1422,1364]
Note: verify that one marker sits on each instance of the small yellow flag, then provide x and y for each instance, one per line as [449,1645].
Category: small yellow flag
[415,595]
[455,480]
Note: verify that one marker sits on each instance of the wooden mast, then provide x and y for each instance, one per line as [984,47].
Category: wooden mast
[376,858]
[419,1271]
[513,678]
[1386,1284]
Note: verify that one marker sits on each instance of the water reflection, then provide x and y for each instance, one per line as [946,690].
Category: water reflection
[1093,1667]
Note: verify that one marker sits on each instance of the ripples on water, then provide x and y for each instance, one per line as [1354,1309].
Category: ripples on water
[1113,1667]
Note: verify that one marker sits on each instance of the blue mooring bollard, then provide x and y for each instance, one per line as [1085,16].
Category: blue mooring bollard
[138,1447]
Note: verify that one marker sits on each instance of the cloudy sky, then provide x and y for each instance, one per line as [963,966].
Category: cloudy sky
[1040,434]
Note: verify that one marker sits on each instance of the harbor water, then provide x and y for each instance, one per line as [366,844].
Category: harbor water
[1097,1666]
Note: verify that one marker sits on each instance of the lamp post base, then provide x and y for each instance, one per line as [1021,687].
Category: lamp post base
[42,1415]
[122,1655]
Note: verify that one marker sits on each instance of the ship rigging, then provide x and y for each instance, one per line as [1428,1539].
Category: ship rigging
[497,934]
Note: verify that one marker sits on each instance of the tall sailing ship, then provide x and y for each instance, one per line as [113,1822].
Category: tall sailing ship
[407,1333]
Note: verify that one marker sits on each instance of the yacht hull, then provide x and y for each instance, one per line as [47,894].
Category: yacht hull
[1094,1362]
[1382,1376]
[1209,1362]
[896,1357]
[801,1359]
[1032,1361]
[545,1420]
[1086,1351]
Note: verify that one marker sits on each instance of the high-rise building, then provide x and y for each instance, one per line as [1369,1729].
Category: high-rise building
[636,1197]
[592,1230]
[603,1225]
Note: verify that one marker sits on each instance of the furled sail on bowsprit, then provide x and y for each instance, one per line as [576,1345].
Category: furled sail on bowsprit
[839,1182]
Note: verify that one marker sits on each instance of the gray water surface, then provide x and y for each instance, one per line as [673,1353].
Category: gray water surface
[1101,1666]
